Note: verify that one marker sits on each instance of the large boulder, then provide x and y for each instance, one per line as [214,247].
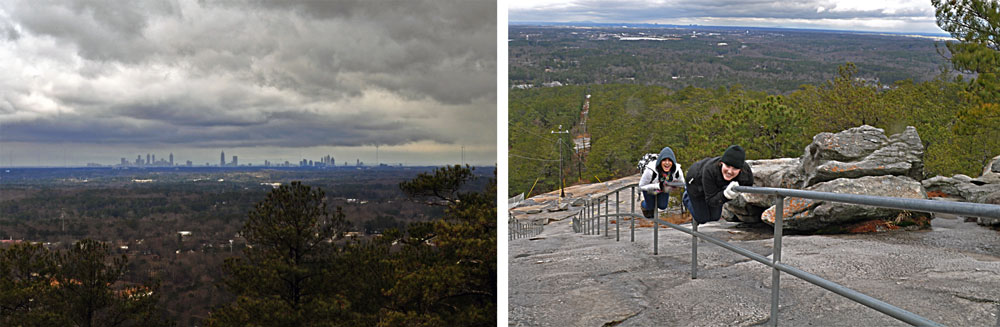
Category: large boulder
[845,162]
[807,215]
[993,167]
[982,189]
[861,151]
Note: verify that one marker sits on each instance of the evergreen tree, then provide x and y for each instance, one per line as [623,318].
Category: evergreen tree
[976,24]
[26,273]
[88,289]
[447,276]
[288,275]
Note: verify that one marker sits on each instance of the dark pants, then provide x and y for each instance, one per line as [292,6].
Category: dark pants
[660,200]
[700,211]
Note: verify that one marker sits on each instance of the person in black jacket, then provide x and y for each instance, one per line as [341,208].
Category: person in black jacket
[710,183]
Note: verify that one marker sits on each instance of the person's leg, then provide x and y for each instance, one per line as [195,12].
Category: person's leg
[662,199]
[647,201]
[698,208]
[647,205]
[716,213]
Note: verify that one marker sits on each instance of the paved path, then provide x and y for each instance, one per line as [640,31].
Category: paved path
[950,274]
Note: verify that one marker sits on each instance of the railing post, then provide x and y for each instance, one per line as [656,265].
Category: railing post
[591,220]
[632,218]
[618,218]
[656,230]
[776,258]
[597,224]
[694,249]
[607,214]
[586,218]
[595,211]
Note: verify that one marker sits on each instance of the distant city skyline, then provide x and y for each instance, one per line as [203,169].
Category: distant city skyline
[91,82]
[256,157]
[896,16]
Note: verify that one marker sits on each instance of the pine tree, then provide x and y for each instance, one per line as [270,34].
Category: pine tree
[26,272]
[976,25]
[288,274]
[88,289]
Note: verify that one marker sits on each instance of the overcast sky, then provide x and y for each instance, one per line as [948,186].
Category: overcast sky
[94,81]
[900,16]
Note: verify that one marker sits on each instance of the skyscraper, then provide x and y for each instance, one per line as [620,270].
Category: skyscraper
[148,161]
[171,159]
[236,161]
[222,159]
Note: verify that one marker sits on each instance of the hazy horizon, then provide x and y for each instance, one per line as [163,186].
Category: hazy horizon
[899,16]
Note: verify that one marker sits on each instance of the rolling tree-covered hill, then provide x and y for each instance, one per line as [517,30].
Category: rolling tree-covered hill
[770,91]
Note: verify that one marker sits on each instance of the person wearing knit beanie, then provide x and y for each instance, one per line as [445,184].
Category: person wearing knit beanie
[711,180]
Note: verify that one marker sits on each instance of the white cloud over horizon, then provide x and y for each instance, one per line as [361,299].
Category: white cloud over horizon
[898,16]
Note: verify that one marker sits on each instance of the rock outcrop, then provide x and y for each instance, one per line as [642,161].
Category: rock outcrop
[860,160]
[811,215]
[862,151]
[982,189]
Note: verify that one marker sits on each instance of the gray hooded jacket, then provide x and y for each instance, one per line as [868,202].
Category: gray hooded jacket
[653,175]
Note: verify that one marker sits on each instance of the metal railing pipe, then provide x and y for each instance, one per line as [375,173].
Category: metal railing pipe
[618,222]
[694,249]
[957,208]
[607,210]
[866,300]
[656,230]
[776,258]
[632,238]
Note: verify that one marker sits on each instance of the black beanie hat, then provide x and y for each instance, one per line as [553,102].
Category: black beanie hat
[734,156]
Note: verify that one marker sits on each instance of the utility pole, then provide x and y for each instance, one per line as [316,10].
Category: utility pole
[562,190]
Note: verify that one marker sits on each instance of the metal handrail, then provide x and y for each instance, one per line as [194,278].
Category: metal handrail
[583,223]
[957,208]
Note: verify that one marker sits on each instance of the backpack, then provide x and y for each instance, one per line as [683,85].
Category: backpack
[645,160]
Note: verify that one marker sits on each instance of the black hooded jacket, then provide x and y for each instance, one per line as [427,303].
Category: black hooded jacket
[705,181]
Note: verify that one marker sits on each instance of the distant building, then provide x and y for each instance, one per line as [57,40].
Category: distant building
[222,159]
[189,163]
[171,159]
[236,161]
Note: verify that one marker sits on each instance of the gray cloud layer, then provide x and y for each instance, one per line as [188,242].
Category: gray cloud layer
[248,73]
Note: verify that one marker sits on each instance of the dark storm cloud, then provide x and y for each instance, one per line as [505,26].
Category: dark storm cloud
[265,73]
[283,130]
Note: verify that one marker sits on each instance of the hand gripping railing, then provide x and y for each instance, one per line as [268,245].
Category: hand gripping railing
[584,222]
